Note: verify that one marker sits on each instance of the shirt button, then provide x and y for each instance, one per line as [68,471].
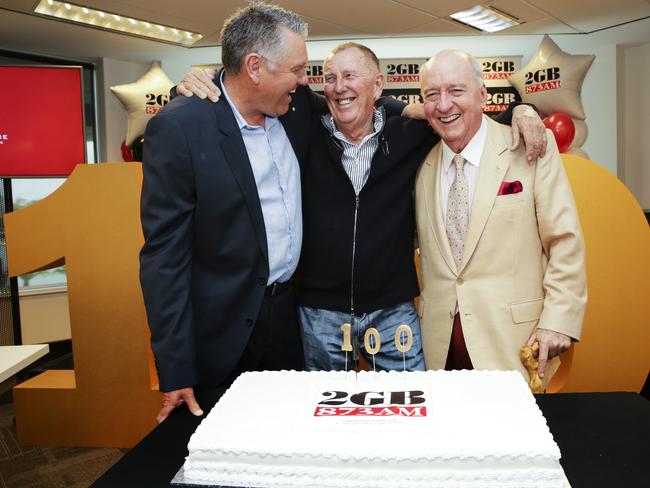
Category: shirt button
[451,315]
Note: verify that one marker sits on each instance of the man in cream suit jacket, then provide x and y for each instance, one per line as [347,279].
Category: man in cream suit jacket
[502,254]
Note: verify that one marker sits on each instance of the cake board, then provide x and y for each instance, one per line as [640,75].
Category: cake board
[179,481]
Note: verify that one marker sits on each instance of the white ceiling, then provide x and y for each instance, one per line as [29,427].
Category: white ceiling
[21,29]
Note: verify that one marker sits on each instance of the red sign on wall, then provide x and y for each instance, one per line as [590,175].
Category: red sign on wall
[41,120]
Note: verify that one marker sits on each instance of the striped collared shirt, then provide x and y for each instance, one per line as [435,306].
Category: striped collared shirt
[356,158]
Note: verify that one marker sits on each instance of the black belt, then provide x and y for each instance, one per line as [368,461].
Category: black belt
[277,288]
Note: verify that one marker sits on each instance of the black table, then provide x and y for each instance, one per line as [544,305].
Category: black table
[604,439]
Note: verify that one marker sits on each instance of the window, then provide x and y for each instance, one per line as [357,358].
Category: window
[26,191]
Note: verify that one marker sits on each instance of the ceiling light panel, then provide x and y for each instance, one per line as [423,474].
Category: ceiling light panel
[114,22]
[485,19]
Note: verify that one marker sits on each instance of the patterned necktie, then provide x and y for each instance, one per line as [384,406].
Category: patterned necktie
[458,211]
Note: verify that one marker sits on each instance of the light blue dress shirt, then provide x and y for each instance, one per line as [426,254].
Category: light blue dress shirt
[277,176]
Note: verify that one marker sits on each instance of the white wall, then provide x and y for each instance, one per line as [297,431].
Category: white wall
[634,120]
[44,316]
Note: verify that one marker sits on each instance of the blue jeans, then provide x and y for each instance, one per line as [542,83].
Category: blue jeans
[322,338]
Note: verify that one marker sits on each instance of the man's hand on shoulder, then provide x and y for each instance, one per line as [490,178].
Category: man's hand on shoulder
[175,398]
[199,82]
[526,122]
[551,344]
[414,111]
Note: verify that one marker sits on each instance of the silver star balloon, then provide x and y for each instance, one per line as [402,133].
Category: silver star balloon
[552,80]
[143,99]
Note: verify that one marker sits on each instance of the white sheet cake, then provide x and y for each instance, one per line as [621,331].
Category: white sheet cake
[458,429]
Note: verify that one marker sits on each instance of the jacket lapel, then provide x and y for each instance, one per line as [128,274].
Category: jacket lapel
[432,204]
[493,168]
[297,122]
[230,140]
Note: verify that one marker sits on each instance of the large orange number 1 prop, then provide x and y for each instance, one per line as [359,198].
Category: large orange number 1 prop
[92,223]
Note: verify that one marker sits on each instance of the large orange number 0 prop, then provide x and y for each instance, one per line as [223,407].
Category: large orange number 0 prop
[92,223]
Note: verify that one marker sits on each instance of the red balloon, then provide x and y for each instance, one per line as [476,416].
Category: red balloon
[563,129]
[127,155]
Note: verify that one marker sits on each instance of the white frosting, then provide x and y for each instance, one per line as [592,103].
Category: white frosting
[481,429]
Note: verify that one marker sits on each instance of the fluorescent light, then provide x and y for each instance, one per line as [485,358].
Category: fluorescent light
[114,22]
[485,18]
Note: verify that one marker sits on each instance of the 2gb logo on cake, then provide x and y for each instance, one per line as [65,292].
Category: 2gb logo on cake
[372,404]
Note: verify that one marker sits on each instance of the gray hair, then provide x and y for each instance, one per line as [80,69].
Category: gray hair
[258,28]
[368,53]
[476,67]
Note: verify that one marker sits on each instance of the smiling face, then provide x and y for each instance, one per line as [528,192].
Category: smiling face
[352,85]
[278,78]
[453,98]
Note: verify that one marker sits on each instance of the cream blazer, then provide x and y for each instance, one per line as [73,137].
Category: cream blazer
[523,263]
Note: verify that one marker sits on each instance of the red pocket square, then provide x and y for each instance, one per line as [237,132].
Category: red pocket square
[510,187]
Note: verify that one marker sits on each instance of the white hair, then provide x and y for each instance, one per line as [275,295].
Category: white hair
[476,67]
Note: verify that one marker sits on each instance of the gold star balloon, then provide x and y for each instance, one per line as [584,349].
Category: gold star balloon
[582,131]
[552,80]
[143,99]
[577,151]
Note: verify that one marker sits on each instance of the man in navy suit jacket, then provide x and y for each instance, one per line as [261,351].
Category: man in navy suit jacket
[221,213]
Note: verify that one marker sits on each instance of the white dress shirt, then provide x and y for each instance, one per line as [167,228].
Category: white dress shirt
[472,153]
[277,176]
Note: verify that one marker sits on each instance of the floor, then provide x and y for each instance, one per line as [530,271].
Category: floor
[48,467]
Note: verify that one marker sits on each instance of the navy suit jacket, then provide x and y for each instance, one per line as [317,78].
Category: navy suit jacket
[204,264]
